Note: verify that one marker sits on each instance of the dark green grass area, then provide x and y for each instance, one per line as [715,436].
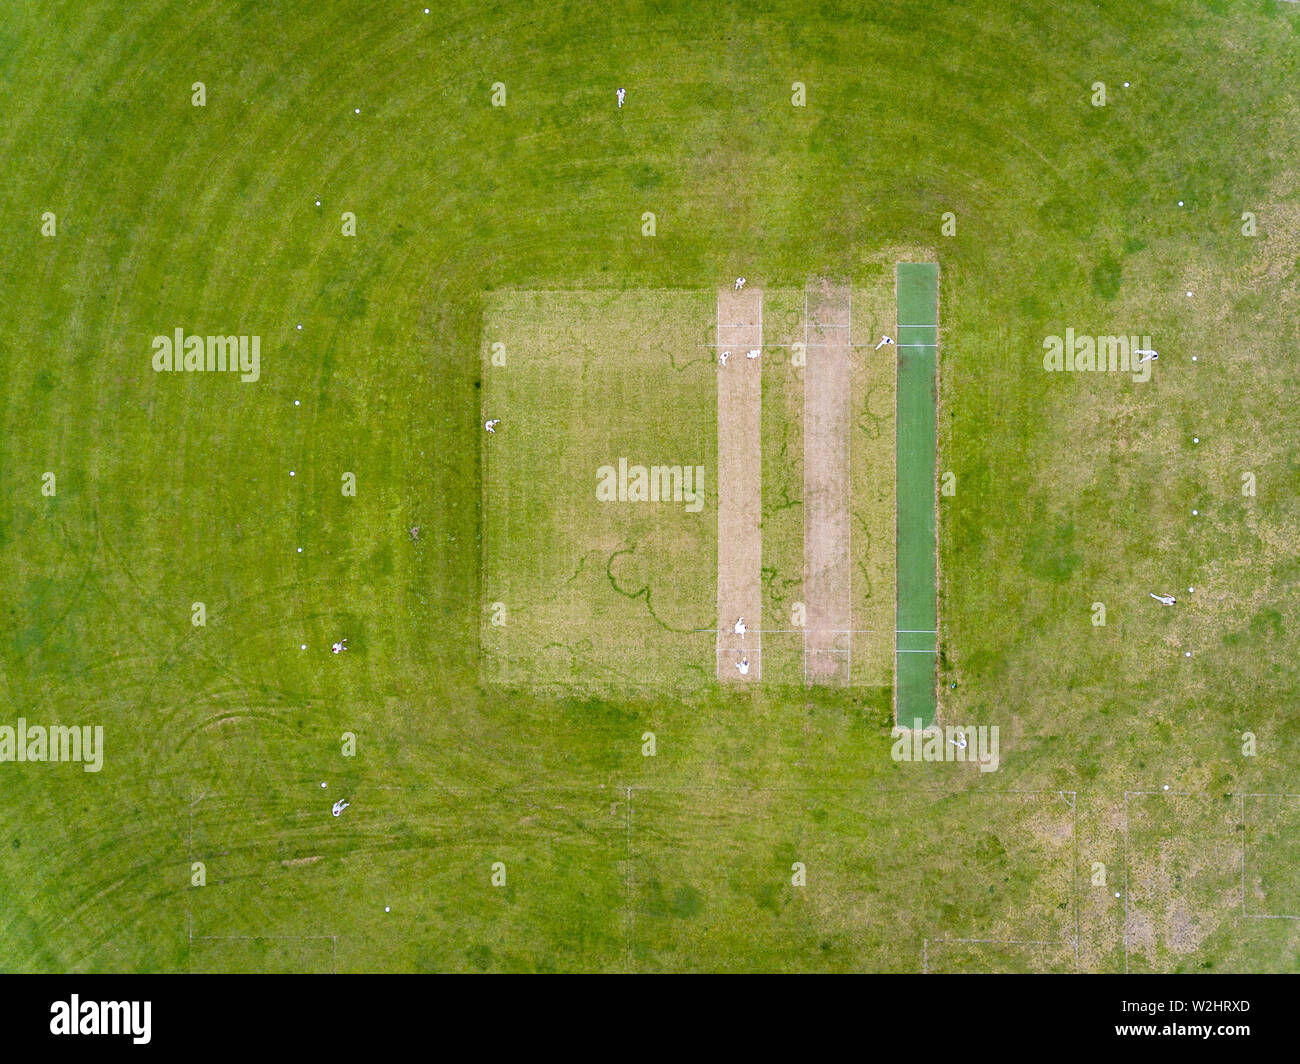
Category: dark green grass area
[174,489]
[917,340]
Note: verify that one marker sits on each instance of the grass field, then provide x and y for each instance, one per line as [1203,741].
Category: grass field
[504,817]
[589,576]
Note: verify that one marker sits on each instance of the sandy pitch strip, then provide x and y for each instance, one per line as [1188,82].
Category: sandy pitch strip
[828,575]
[740,485]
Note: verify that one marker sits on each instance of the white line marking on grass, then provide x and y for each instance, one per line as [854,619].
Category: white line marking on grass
[1256,916]
[1137,794]
[264,938]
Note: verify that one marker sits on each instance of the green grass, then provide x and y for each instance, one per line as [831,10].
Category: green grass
[584,583]
[175,489]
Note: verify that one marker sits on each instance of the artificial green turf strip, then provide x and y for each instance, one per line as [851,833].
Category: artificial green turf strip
[918,299]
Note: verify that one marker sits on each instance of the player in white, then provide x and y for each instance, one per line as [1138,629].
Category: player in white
[1164,600]
[740,283]
[1145,355]
[621,94]
[885,341]
[340,646]
[491,426]
[741,628]
[339,806]
[722,358]
[960,741]
[743,666]
[754,353]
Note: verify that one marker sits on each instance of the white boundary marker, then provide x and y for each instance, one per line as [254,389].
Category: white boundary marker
[191,937]
[1069,797]
[1242,822]
[1244,913]
[1072,801]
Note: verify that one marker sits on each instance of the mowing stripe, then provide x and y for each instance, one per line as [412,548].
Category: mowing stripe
[917,605]
[740,484]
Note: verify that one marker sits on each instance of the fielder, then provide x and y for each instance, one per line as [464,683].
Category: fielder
[754,353]
[339,806]
[491,426]
[1164,600]
[740,283]
[884,342]
[621,94]
[722,358]
[740,628]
